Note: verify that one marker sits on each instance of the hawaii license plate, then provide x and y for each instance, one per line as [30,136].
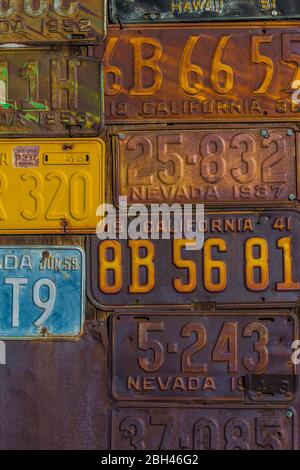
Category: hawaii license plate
[149,11]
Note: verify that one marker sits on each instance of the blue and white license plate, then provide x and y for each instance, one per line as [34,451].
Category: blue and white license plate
[42,292]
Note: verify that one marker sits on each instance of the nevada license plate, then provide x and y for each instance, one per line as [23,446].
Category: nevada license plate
[247,259]
[42,292]
[45,92]
[213,166]
[198,73]
[51,186]
[147,11]
[203,357]
[195,428]
[57,21]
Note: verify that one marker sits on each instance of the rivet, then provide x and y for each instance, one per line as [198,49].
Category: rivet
[292,197]
[122,136]
[264,133]
[289,414]
[290,132]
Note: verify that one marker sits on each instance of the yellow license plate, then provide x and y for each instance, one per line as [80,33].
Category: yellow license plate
[52,187]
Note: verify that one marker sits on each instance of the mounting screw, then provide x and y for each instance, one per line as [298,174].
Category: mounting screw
[122,136]
[290,132]
[152,16]
[292,197]
[264,133]
[289,414]
[274,13]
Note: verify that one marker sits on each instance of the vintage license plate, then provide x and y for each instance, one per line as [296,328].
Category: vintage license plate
[57,21]
[198,73]
[46,93]
[149,11]
[213,166]
[195,428]
[204,358]
[42,291]
[51,186]
[247,259]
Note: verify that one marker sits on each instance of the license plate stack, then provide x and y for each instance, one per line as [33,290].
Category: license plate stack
[149,224]
[202,107]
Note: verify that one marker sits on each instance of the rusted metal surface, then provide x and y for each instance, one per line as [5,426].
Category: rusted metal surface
[45,93]
[268,385]
[218,165]
[54,21]
[149,11]
[242,72]
[248,259]
[195,428]
[203,357]
[53,395]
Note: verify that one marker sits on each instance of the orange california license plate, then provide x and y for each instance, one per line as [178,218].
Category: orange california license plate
[221,72]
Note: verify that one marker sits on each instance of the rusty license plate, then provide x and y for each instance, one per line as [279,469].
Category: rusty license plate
[45,93]
[243,72]
[204,358]
[195,428]
[149,11]
[247,259]
[214,166]
[57,21]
